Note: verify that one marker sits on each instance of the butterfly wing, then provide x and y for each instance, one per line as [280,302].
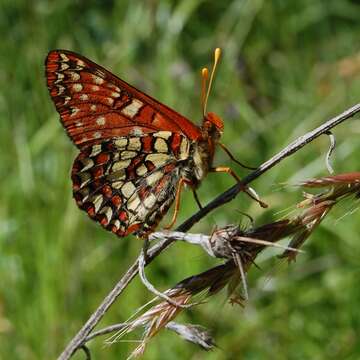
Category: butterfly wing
[95,105]
[128,183]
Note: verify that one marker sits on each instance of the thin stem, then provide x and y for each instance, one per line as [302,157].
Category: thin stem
[150,286]
[80,338]
[330,151]
[106,330]
[86,351]
[296,145]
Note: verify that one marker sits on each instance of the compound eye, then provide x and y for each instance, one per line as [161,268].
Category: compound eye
[216,120]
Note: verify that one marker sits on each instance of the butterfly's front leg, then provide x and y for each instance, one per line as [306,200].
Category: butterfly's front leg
[182,181]
[197,199]
[231,156]
[247,190]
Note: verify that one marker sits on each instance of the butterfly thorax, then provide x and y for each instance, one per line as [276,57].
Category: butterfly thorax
[202,152]
[199,162]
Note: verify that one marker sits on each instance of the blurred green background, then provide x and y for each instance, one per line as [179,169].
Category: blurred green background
[287,66]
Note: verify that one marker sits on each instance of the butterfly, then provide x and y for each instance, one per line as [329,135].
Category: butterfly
[135,152]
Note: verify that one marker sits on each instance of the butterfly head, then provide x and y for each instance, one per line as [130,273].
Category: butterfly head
[215,120]
[213,124]
[212,127]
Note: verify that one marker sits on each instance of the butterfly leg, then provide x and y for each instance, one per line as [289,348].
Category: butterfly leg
[231,156]
[197,199]
[182,181]
[250,192]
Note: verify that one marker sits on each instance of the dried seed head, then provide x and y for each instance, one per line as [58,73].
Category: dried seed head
[220,241]
[194,333]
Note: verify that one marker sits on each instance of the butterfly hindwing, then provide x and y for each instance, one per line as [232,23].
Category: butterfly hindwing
[128,183]
[95,105]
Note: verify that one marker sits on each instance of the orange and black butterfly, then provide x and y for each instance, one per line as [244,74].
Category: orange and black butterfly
[135,153]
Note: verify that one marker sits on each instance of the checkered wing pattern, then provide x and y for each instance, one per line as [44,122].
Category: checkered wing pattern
[131,146]
[128,183]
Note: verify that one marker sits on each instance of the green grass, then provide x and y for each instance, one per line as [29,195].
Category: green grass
[282,74]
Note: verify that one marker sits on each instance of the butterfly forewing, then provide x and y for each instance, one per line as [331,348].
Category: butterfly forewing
[95,105]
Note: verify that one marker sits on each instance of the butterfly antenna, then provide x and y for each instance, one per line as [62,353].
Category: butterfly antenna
[204,80]
[217,54]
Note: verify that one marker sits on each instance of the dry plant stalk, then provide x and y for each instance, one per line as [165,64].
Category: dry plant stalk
[232,241]
[238,244]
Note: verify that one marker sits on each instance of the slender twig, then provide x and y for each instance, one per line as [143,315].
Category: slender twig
[86,351]
[181,329]
[106,330]
[150,286]
[330,151]
[80,338]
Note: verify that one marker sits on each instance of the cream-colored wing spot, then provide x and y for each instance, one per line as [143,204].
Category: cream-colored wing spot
[158,159]
[120,165]
[64,66]
[87,164]
[108,212]
[116,175]
[134,144]
[60,77]
[116,223]
[163,134]
[96,149]
[184,148]
[77,87]
[141,170]
[127,155]
[121,143]
[161,145]
[66,100]
[116,156]
[64,58]
[115,94]
[84,179]
[97,201]
[74,76]
[128,189]
[154,177]
[84,97]
[80,63]
[132,109]
[97,80]
[101,120]
[117,184]
[150,201]
[134,202]
[61,89]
